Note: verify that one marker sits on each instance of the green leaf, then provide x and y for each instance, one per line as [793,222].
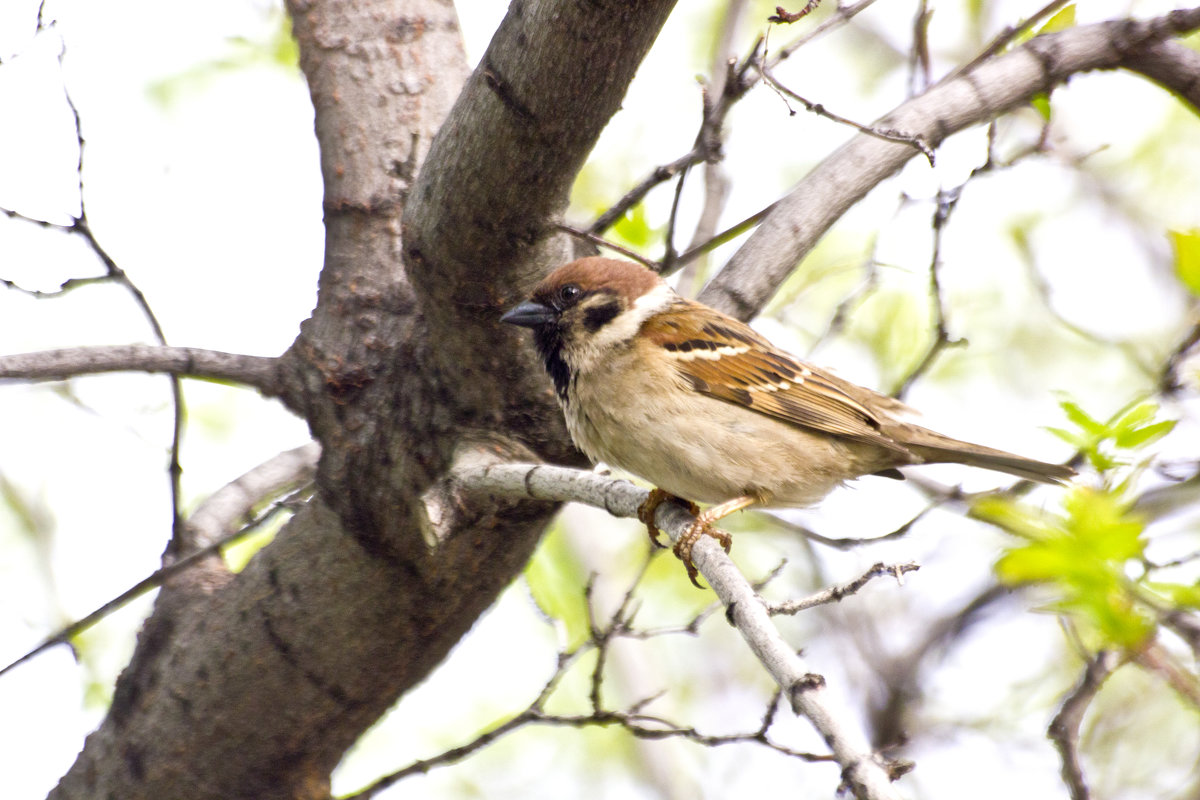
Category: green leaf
[1186,245]
[1061,21]
[1071,437]
[1179,594]
[1144,436]
[556,583]
[634,228]
[1133,416]
[1081,554]
[1041,104]
[1039,562]
[1102,523]
[1012,517]
[1081,418]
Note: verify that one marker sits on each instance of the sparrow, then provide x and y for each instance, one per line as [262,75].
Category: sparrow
[707,410]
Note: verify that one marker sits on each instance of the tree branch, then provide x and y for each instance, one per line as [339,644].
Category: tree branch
[867,775]
[992,88]
[1172,65]
[835,594]
[260,372]
[1064,729]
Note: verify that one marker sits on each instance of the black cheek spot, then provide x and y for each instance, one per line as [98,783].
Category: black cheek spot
[596,317]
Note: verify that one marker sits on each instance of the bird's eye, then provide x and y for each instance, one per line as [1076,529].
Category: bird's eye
[568,295]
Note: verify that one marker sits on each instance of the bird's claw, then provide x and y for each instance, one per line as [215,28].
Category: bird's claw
[683,546]
[649,508]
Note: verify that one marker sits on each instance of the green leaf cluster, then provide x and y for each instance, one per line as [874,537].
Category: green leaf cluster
[1083,554]
[1110,443]
[1091,554]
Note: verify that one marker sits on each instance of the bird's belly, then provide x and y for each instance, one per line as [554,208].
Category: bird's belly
[731,453]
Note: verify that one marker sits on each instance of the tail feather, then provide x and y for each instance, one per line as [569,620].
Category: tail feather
[934,448]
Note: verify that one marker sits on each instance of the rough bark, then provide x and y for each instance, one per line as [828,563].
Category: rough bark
[255,685]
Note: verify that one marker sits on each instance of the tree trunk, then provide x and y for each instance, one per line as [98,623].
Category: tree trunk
[255,684]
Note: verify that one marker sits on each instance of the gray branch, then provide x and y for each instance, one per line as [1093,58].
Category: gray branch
[867,774]
[186,362]
[797,222]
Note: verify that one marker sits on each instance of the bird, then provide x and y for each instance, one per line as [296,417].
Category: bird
[706,409]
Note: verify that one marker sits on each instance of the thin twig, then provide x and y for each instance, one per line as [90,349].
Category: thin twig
[635,195]
[669,253]
[947,201]
[919,68]
[865,772]
[153,581]
[600,241]
[632,719]
[81,227]
[887,134]
[1064,728]
[851,543]
[727,235]
[839,18]
[835,594]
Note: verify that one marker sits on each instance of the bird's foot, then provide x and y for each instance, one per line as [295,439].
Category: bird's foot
[648,508]
[683,546]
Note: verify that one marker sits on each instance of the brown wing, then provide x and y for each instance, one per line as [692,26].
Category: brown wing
[726,359]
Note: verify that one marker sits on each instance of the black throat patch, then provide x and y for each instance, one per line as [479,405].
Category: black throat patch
[549,345]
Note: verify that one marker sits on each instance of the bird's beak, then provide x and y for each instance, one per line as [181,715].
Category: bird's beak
[530,315]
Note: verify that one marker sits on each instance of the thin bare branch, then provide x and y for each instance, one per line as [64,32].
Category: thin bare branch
[947,201]
[1064,728]
[835,594]
[600,241]
[632,719]
[637,193]
[155,580]
[854,542]
[885,133]
[839,18]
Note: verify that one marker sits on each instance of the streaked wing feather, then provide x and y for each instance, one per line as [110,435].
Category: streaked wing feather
[731,362]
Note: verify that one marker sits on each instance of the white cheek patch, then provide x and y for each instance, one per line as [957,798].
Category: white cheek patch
[625,326]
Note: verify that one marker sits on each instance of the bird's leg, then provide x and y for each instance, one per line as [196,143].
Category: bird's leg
[648,508]
[703,527]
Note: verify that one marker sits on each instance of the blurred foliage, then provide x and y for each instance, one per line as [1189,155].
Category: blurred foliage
[634,231]
[1186,246]
[277,48]
[1091,554]
[238,554]
[894,324]
[554,576]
